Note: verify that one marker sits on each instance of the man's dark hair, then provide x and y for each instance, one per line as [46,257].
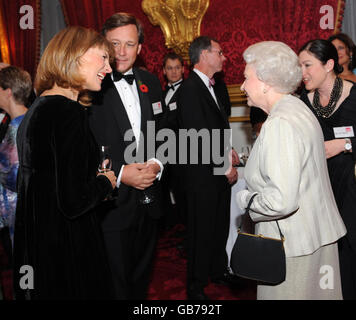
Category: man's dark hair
[19,81]
[197,46]
[172,56]
[121,19]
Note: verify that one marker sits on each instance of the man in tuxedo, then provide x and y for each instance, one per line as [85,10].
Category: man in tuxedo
[173,69]
[129,99]
[221,91]
[208,193]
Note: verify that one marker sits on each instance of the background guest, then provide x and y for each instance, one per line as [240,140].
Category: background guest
[175,210]
[333,101]
[257,118]
[56,231]
[221,92]
[15,88]
[129,99]
[346,51]
[4,117]
[208,195]
[173,69]
[287,169]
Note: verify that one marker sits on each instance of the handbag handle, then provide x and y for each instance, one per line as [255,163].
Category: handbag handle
[247,211]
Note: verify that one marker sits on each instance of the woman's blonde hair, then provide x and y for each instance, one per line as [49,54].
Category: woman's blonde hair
[61,58]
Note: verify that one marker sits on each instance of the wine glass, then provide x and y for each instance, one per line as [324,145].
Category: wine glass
[105,165]
[245,153]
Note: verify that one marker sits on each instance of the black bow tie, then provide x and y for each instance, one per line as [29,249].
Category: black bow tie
[171,86]
[128,77]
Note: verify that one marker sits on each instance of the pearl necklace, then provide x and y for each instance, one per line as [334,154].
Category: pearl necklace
[326,112]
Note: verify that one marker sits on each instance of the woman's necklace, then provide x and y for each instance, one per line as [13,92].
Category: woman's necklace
[327,111]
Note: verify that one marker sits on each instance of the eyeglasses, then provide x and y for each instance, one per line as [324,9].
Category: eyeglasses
[219,52]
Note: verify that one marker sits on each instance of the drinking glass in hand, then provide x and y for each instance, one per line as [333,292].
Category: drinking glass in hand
[245,153]
[105,161]
[105,164]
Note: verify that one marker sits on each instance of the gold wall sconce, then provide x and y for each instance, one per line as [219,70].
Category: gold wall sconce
[179,21]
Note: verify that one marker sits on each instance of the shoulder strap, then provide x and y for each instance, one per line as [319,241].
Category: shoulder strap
[247,211]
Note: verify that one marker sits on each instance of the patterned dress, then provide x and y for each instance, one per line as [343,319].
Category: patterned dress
[8,172]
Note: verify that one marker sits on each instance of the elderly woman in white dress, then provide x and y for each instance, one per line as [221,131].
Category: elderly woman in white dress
[287,169]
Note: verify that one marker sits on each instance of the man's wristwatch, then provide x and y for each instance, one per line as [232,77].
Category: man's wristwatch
[348,145]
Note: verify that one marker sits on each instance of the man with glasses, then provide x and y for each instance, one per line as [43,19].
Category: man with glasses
[208,194]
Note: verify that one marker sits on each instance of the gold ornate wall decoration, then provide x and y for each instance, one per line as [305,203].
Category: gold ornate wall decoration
[237,96]
[339,16]
[4,46]
[179,21]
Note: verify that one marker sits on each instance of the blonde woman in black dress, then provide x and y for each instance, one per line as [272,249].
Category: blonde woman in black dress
[57,232]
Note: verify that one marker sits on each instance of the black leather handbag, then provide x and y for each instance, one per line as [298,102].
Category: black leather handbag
[257,257]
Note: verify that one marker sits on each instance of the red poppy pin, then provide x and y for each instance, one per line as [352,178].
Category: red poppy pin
[142,87]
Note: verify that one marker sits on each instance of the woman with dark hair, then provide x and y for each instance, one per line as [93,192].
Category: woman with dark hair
[333,102]
[346,50]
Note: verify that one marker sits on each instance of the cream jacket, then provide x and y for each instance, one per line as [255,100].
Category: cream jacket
[287,169]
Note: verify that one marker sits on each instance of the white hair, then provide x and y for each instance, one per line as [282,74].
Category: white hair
[276,64]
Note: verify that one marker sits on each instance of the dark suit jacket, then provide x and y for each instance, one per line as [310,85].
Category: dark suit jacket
[171,113]
[109,123]
[198,110]
[222,93]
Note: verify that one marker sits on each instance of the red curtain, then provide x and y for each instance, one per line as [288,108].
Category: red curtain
[88,13]
[93,13]
[236,24]
[24,44]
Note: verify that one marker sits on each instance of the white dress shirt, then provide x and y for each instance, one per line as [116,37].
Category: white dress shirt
[171,92]
[206,79]
[131,101]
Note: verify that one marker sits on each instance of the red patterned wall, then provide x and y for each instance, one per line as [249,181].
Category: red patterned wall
[235,23]
[238,24]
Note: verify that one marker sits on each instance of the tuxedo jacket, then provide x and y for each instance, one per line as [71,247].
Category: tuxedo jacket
[109,123]
[222,93]
[198,110]
[171,120]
